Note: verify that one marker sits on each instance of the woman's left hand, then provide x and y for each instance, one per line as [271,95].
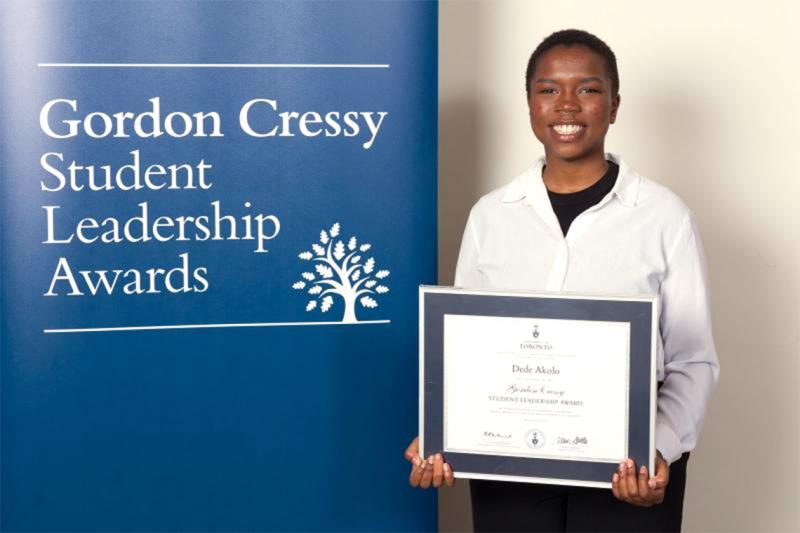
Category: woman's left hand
[637,488]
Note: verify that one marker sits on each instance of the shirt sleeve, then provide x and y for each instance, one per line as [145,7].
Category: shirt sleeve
[467,273]
[691,367]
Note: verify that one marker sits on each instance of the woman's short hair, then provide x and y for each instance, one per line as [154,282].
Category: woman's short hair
[569,38]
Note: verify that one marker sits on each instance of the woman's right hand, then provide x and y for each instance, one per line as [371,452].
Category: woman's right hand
[431,471]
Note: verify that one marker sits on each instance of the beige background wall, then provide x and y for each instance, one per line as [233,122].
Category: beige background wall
[710,108]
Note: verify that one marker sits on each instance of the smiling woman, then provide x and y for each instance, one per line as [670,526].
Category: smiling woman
[581,220]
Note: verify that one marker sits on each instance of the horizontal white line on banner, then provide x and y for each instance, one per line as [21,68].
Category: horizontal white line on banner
[211,65]
[207,326]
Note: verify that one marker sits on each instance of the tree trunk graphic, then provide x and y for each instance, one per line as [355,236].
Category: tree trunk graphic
[338,270]
[349,310]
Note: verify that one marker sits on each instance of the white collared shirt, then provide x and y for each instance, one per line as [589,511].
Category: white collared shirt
[639,239]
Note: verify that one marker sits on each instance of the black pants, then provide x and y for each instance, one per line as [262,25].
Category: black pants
[503,506]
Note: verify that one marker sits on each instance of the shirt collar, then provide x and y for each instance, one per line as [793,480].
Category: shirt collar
[529,186]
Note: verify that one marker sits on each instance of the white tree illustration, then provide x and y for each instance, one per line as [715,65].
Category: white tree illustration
[339,270]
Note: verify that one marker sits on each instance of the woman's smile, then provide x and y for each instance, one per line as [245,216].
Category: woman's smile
[567,131]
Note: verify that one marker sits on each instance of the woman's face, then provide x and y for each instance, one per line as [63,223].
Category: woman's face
[571,103]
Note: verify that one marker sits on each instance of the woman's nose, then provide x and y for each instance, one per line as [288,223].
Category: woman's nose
[567,104]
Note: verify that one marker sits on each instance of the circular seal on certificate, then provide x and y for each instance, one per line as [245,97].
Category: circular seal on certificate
[535,439]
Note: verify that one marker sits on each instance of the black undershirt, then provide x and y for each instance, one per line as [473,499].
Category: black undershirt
[570,205]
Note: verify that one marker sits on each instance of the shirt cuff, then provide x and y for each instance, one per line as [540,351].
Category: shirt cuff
[668,443]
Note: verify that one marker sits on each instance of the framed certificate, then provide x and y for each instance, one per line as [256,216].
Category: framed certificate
[537,387]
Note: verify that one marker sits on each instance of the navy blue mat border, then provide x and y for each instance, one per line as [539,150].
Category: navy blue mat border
[638,314]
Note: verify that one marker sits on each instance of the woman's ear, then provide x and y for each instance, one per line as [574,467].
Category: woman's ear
[614,107]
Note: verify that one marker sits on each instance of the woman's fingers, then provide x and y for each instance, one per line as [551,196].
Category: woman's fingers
[632,482]
[413,450]
[662,473]
[449,477]
[416,472]
[438,472]
[427,473]
[636,487]
[623,481]
[645,492]
[659,482]
[430,472]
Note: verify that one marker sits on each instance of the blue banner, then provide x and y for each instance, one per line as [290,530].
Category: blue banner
[215,216]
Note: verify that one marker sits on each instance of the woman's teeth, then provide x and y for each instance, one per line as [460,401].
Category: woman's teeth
[567,129]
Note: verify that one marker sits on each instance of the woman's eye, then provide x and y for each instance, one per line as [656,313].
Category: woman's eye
[589,90]
[547,91]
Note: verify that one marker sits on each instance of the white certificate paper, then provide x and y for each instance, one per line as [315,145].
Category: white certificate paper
[539,388]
